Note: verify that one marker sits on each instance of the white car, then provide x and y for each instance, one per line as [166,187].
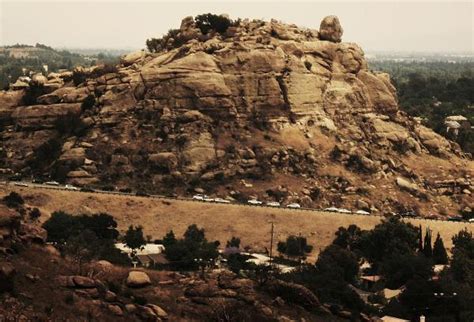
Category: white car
[254,202]
[362,212]
[207,199]
[293,205]
[344,211]
[273,204]
[471,220]
[71,187]
[198,197]
[52,183]
[20,184]
[220,200]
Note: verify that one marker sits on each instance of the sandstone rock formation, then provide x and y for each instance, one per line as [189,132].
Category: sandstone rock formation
[331,29]
[304,103]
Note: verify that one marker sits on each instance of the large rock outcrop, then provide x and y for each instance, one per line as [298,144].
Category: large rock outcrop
[298,99]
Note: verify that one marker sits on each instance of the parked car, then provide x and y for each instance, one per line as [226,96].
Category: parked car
[125,190]
[293,205]
[362,212]
[71,187]
[331,209]
[36,180]
[471,220]
[141,194]
[254,202]
[15,177]
[20,184]
[52,183]
[408,214]
[87,189]
[220,200]
[208,199]
[273,204]
[198,197]
[455,218]
[344,211]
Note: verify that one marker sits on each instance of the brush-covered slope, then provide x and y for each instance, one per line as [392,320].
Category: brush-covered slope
[264,109]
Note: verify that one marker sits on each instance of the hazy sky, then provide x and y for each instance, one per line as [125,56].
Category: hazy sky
[375,25]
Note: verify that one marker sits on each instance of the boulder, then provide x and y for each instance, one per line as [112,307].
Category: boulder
[434,142]
[52,251]
[115,309]
[43,116]
[132,58]
[407,185]
[158,311]
[331,29]
[138,279]
[84,282]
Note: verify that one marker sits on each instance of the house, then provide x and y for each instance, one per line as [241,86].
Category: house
[152,260]
[147,249]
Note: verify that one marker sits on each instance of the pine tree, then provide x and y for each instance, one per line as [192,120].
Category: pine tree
[420,239]
[427,248]
[440,256]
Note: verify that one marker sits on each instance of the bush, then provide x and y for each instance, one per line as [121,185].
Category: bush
[69,124]
[13,200]
[207,22]
[78,77]
[32,93]
[88,102]
[35,214]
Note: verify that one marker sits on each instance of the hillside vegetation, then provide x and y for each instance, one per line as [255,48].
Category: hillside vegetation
[435,90]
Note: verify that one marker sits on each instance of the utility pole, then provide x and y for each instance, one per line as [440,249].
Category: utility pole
[271,246]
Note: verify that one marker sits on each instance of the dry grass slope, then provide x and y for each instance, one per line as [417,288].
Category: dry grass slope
[221,222]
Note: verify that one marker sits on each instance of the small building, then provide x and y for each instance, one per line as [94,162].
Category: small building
[152,260]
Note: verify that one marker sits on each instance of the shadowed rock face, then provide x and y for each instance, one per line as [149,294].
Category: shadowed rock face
[203,101]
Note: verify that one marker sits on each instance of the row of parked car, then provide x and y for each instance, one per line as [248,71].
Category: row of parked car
[253,202]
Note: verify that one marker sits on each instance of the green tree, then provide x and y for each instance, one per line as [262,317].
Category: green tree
[82,248]
[134,238]
[60,226]
[169,239]
[336,258]
[13,200]
[440,256]
[233,242]
[349,238]
[427,248]
[192,252]
[294,246]
[398,269]
[390,237]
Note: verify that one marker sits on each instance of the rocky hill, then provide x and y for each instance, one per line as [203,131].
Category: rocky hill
[260,109]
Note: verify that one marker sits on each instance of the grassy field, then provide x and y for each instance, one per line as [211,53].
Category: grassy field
[221,222]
